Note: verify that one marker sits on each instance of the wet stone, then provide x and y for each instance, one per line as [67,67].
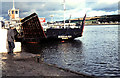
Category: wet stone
[27,66]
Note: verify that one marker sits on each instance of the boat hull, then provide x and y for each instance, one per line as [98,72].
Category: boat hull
[67,33]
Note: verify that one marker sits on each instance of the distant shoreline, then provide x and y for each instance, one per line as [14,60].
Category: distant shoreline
[100,24]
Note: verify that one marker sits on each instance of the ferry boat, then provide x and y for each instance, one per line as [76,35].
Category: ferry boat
[34,32]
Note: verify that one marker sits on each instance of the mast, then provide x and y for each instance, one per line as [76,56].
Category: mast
[13,5]
[69,19]
[64,12]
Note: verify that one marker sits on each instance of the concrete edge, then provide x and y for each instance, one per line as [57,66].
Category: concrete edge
[68,70]
[65,69]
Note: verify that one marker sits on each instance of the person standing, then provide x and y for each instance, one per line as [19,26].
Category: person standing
[11,39]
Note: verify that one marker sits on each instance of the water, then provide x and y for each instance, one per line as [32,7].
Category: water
[96,53]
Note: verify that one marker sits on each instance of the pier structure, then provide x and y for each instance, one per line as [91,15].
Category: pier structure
[14,18]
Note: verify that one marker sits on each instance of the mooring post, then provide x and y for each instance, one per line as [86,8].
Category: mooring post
[38,58]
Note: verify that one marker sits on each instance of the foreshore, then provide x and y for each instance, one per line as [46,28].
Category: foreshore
[27,64]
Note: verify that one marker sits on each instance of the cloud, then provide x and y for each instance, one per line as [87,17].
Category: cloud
[75,8]
[107,2]
[105,7]
[31,0]
[43,9]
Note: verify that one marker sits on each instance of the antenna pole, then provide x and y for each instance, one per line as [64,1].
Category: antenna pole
[13,5]
[64,12]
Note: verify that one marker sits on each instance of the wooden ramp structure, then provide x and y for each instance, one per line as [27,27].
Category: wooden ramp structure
[32,29]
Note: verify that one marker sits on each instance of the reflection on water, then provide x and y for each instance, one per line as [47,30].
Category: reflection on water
[96,53]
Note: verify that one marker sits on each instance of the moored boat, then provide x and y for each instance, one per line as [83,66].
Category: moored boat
[33,31]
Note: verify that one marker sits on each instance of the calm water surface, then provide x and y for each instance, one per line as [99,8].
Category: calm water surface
[96,53]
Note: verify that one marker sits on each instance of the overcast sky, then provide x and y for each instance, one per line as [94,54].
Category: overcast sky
[75,8]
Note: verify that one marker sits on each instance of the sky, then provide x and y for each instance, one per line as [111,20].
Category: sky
[74,8]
